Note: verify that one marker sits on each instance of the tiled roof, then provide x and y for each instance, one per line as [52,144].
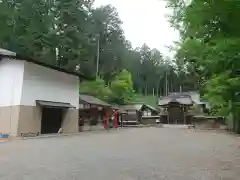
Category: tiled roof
[7,52]
[175,98]
[12,55]
[93,100]
[137,107]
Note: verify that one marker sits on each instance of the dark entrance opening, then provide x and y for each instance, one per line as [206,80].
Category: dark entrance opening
[51,120]
[52,115]
[175,114]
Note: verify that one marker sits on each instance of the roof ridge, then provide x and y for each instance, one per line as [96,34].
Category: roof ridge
[12,55]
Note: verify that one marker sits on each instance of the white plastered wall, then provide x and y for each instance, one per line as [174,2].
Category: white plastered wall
[11,80]
[22,83]
[41,83]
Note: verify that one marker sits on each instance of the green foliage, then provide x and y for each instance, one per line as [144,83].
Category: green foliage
[71,36]
[66,33]
[120,91]
[150,99]
[25,27]
[122,88]
[106,28]
[210,45]
[216,88]
[97,88]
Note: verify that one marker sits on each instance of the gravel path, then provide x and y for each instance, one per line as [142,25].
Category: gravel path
[131,154]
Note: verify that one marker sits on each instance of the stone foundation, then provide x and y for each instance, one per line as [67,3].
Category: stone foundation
[70,121]
[149,121]
[20,120]
[207,125]
[9,116]
[29,120]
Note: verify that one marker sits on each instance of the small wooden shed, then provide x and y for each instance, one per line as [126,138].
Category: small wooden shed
[92,111]
[139,114]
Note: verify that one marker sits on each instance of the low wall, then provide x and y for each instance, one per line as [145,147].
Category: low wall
[208,122]
[209,125]
[148,121]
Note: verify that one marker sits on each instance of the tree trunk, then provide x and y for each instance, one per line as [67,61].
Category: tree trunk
[236,123]
[146,88]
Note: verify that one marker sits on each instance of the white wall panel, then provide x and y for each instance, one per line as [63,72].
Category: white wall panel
[11,79]
[41,83]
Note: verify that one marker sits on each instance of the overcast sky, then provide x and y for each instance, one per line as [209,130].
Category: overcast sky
[144,22]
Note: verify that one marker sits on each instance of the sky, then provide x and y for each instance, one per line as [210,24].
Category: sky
[145,21]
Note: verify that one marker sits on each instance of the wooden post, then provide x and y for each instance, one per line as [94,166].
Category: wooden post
[98,50]
[166,85]
[184,118]
[168,116]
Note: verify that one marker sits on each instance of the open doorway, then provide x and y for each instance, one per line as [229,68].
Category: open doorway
[51,120]
[52,115]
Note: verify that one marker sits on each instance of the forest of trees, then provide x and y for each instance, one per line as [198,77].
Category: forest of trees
[73,34]
[210,45]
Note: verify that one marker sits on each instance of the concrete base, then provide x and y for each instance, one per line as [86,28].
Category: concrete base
[9,117]
[149,121]
[207,125]
[21,120]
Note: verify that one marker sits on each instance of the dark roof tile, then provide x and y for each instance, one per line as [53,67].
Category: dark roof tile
[93,100]
[13,55]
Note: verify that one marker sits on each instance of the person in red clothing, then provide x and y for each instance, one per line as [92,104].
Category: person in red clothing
[116,119]
[106,121]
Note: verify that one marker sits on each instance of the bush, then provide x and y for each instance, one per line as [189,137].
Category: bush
[122,88]
[120,91]
[96,88]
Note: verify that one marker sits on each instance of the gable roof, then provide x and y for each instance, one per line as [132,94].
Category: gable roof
[150,107]
[12,55]
[7,52]
[137,107]
[192,94]
[176,98]
[93,100]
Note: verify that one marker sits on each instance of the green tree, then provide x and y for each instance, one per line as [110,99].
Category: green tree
[66,33]
[107,28]
[210,46]
[25,27]
[72,40]
[122,88]
[97,88]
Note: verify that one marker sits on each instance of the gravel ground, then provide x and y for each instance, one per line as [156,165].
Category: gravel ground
[130,154]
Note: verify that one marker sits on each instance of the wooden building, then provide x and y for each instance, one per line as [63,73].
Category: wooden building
[92,111]
[36,98]
[139,114]
[175,109]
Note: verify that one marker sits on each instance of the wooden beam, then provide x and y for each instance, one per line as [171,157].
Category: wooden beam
[184,117]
